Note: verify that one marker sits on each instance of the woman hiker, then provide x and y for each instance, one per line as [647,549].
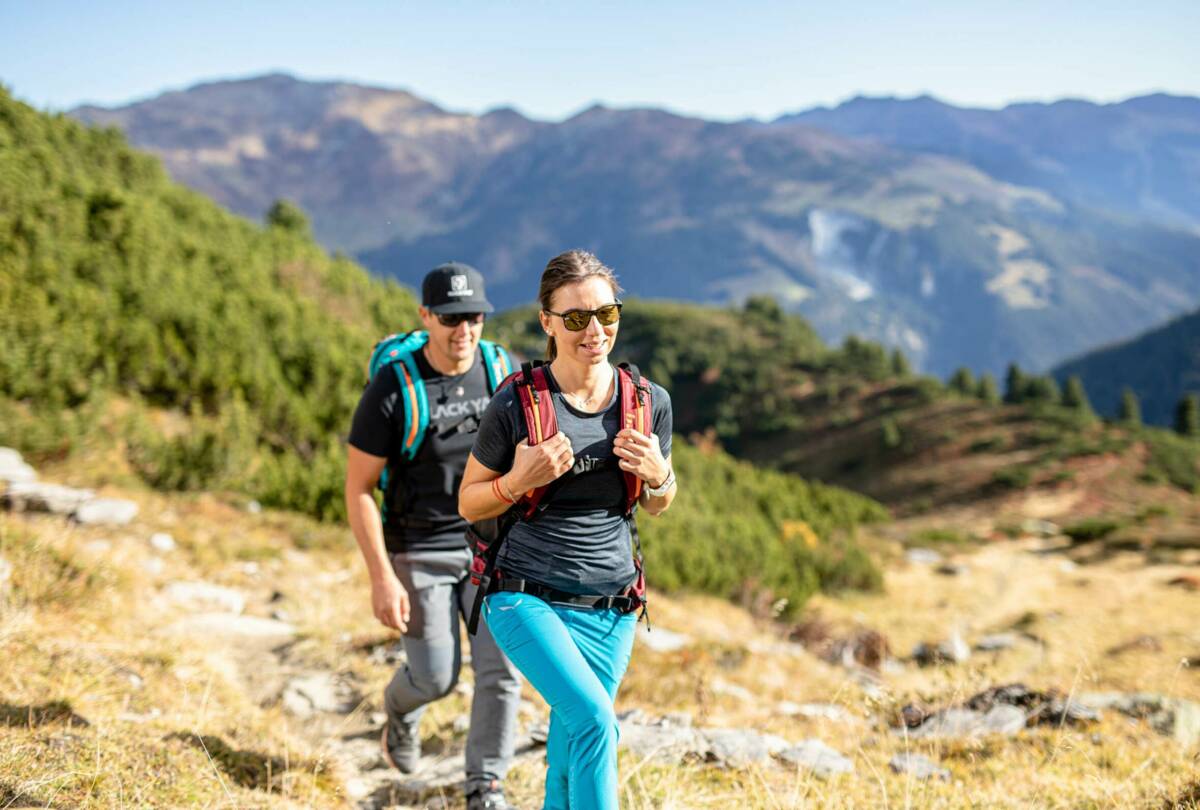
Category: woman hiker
[562,607]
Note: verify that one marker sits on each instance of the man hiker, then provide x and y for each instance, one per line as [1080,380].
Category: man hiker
[411,435]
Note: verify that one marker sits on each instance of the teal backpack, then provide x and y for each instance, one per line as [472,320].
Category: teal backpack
[399,352]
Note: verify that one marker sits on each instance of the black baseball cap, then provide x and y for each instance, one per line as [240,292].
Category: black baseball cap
[453,288]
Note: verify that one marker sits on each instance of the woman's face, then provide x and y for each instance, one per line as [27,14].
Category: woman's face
[592,344]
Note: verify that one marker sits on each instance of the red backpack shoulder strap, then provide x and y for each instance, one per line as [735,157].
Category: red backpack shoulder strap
[537,406]
[637,412]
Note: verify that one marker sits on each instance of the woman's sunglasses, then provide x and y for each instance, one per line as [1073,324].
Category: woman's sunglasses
[460,317]
[576,320]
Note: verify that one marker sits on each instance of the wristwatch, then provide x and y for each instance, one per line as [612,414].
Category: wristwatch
[663,488]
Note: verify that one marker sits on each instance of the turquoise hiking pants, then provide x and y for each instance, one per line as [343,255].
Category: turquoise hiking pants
[575,658]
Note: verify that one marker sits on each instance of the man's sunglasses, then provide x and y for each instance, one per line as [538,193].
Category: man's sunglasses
[460,317]
[576,320]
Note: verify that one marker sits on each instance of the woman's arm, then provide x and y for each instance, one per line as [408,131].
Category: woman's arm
[533,467]
[656,505]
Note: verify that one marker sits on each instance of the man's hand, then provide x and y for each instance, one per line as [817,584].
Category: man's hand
[389,600]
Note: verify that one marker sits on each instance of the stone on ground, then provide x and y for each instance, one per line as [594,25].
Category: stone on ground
[106,512]
[817,757]
[918,767]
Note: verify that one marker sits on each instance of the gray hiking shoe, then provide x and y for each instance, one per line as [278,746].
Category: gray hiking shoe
[490,797]
[401,746]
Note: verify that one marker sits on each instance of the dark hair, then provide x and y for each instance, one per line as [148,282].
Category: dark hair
[567,268]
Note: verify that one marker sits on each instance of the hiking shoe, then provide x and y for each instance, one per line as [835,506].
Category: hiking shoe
[401,746]
[487,798]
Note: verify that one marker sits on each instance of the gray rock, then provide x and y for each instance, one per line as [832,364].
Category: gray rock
[13,468]
[254,507]
[662,741]
[952,650]
[1173,717]
[965,723]
[32,496]
[923,556]
[996,642]
[741,747]
[106,512]
[661,639]
[317,692]
[205,596]
[918,767]
[6,571]
[817,757]
[161,541]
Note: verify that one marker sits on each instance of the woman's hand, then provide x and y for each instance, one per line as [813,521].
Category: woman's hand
[641,455]
[540,464]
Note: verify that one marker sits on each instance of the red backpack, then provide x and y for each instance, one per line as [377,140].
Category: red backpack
[537,406]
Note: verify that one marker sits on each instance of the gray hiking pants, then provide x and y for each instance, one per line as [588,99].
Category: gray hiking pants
[439,591]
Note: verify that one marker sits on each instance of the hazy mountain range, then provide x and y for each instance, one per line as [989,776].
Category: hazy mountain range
[973,237]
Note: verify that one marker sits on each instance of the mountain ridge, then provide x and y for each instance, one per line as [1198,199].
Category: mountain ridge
[922,250]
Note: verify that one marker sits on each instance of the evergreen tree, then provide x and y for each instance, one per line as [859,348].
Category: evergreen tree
[987,390]
[289,216]
[1043,390]
[1014,385]
[1131,408]
[1075,397]
[963,381]
[1187,416]
[900,364]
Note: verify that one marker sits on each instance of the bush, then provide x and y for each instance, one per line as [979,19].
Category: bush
[1018,477]
[701,544]
[1091,529]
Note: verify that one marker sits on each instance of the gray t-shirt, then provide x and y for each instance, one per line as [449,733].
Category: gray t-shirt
[580,543]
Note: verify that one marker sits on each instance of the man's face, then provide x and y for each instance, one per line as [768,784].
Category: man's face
[453,343]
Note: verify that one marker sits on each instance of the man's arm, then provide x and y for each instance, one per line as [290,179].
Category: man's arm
[389,599]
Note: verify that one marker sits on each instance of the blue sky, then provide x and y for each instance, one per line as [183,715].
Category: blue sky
[720,60]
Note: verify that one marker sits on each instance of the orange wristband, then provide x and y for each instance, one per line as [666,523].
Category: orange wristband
[498,493]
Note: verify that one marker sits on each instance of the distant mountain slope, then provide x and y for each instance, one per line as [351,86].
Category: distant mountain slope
[1139,157]
[920,250]
[368,164]
[1160,366]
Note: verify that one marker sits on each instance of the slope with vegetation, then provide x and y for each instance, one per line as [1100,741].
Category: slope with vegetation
[149,335]
[760,383]
[1160,368]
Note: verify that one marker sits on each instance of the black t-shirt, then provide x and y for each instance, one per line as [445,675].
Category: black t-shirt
[421,501]
[581,542]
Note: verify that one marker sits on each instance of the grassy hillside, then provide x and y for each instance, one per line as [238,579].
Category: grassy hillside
[148,335]
[759,383]
[116,281]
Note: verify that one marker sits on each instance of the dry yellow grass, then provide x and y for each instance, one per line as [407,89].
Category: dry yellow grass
[180,721]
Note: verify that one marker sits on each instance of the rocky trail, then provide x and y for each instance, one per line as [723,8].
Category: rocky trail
[737,697]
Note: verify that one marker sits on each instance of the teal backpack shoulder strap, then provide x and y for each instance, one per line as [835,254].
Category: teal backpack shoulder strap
[496,363]
[399,352]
